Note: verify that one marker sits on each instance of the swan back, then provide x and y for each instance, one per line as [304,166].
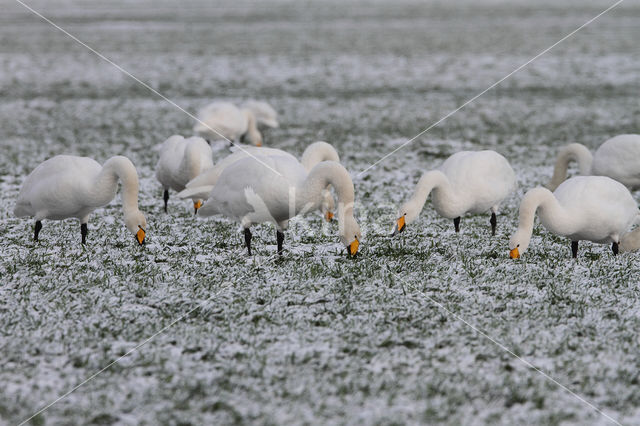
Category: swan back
[224,118]
[599,208]
[274,179]
[480,179]
[619,158]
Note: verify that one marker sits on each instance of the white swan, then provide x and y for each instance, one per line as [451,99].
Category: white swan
[67,186]
[593,208]
[201,186]
[224,119]
[180,161]
[264,113]
[618,158]
[251,192]
[467,182]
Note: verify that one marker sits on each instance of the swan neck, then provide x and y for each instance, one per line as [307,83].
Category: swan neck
[189,165]
[572,152]
[318,152]
[435,181]
[323,174]
[121,168]
[552,214]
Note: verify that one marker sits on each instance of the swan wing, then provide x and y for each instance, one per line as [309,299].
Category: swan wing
[55,188]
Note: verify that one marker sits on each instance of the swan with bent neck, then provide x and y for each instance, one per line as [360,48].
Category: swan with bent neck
[180,161]
[201,186]
[593,208]
[617,158]
[224,120]
[275,189]
[68,186]
[467,182]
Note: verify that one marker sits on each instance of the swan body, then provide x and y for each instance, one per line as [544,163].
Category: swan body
[201,186]
[617,158]
[275,189]
[593,208]
[67,186]
[467,182]
[264,113]
[180,161]
[225,120]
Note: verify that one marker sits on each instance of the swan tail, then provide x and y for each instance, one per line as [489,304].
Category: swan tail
[196,193]
[23,209]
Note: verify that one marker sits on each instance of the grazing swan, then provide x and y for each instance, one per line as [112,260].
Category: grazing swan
[264,113]
[224,119]
[275,189]
[68,186]
[467,182]
[180,161]
[593,208]
[618,158]
[201,186]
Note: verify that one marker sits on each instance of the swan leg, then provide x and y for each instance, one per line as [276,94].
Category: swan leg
[574,249]
[493,221]
[166,199]
[83,232]
[614,248]
[456,223]
[280,238]
[247,239]
[37,230]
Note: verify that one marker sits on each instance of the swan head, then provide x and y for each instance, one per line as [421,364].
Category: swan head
[136,224]
[407,214]
[350,234]
[196,205]
[518,244]
[328,205]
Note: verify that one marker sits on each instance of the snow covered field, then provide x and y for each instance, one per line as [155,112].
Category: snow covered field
[390,337]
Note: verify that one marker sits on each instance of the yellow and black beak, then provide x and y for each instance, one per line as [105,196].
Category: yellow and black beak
[328,216]
[196,206]
[400,225]
[140,235]
[515,253]
[353,247]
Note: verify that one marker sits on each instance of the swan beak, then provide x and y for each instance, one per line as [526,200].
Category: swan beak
[353,247]
[400,225]
[328,216]
[196,206]
[140,235]
[259,144]
[514,254]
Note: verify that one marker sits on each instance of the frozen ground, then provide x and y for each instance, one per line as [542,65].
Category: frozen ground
[314,337]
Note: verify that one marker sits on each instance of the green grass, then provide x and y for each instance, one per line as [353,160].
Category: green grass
[312,336]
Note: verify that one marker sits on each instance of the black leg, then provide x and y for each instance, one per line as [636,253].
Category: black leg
[83,231]
[574,249]
[614,248]
[37,230]
[247,239]
[280,237]
[493,221]
[166,198]
[456,223]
